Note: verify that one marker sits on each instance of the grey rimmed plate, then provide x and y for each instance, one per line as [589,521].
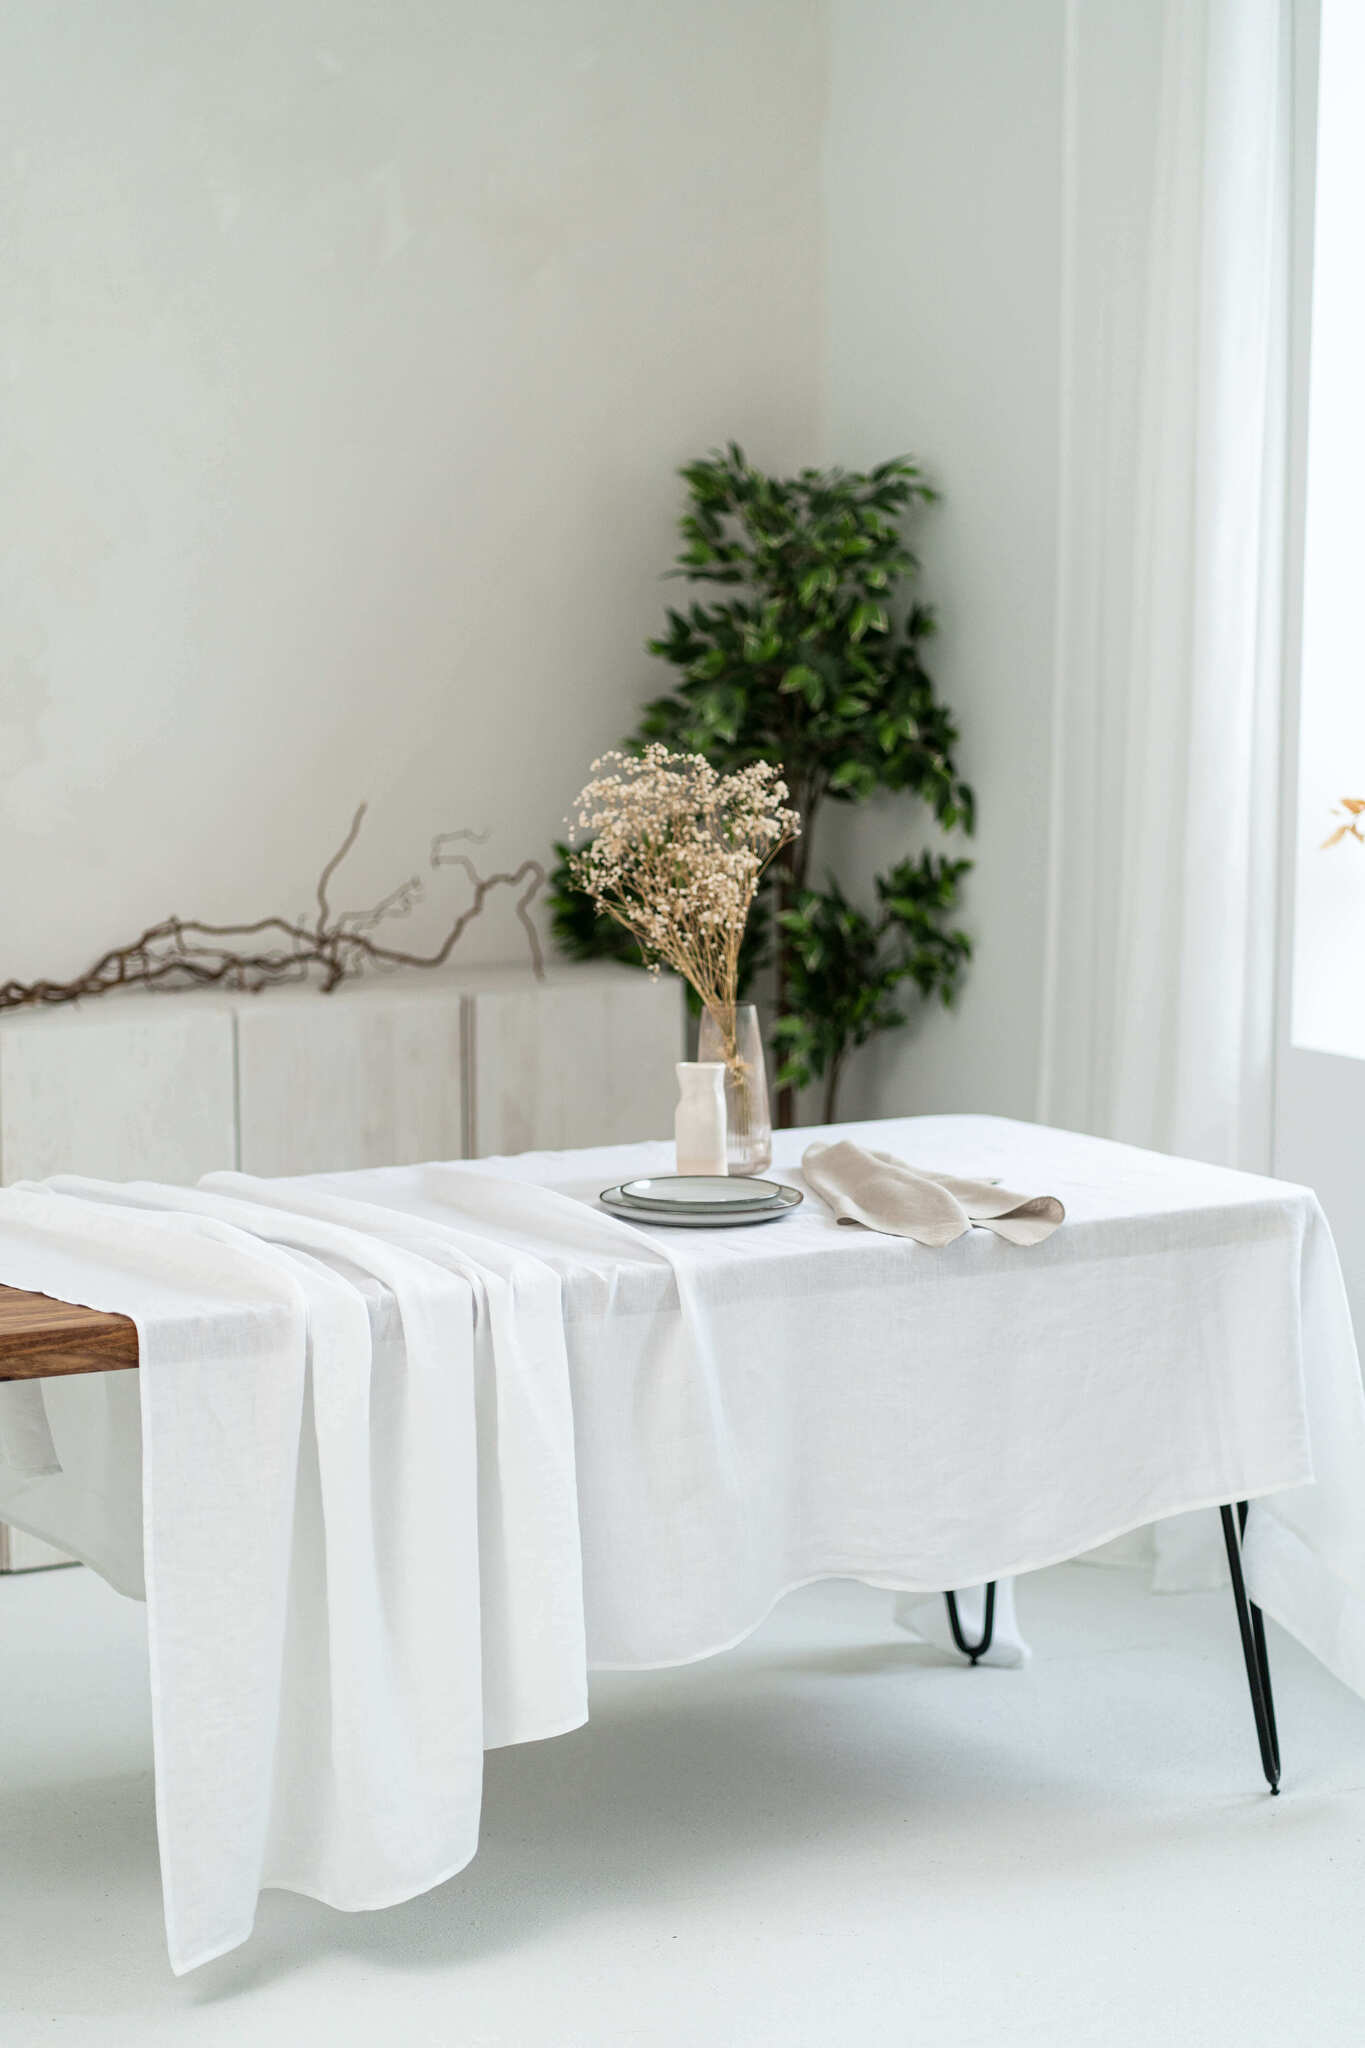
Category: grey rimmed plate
[702,1190]
[694,1216]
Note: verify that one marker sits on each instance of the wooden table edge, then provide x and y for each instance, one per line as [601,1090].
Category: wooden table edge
[43,1338]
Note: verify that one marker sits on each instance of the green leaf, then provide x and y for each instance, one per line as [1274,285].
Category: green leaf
[817,581]
[804,681]
[867,617]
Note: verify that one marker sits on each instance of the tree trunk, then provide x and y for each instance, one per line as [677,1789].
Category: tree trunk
[793,865]
[832,1074]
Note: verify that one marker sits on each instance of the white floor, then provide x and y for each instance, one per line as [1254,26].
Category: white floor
[828,1836]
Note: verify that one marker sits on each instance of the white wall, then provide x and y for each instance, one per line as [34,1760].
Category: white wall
[943,170]
[347,352]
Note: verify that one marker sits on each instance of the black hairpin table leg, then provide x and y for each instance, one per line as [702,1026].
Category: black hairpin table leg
[1252,1626]
[1250,1622]
[978,1649]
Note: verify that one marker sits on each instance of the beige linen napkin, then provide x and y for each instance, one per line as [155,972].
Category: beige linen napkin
[883,1193]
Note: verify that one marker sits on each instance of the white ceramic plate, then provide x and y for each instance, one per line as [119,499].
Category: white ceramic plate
[691,1216]
[706,1190]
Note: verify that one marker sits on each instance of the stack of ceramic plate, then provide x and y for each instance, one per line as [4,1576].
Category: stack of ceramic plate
[700,1201]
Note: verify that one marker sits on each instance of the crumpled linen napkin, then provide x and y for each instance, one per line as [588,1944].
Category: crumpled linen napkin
[883,1193]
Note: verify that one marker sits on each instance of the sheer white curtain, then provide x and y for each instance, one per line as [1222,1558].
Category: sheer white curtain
[1159,975]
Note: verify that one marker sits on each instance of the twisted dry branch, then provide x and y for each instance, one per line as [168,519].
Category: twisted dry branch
[186,953]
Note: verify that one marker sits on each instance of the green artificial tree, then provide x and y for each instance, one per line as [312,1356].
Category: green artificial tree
[801,660]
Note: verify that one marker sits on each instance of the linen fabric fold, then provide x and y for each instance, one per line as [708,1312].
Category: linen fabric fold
[530,1584]
[223,1341]
[884,1193]
[375,1694]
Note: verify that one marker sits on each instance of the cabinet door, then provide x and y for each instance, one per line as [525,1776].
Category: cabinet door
[20,1552]
[360,1078]
[587,1061]
[139,1089]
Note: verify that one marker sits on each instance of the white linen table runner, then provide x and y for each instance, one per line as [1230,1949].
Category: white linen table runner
[644,1438]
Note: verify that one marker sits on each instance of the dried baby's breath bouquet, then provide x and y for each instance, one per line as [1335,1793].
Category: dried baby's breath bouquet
[675,852]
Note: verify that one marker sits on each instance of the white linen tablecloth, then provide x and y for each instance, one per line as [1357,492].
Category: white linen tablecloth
[433,1440]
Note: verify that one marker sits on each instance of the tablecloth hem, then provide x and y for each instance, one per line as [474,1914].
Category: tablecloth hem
[211,1955]
[565,1727]
[401,1896]
[45,1534]
[1298,1589]
[890,1582]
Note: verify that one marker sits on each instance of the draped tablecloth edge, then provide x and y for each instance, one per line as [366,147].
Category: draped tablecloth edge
[1298,1588]
[893,1582]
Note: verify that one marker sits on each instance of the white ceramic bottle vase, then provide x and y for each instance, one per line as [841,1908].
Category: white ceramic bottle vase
[699,1121]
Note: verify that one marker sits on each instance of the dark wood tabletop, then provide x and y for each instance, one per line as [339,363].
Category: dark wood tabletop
[41,1338]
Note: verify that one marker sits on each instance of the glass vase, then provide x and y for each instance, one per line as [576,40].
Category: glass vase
[733,1037]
